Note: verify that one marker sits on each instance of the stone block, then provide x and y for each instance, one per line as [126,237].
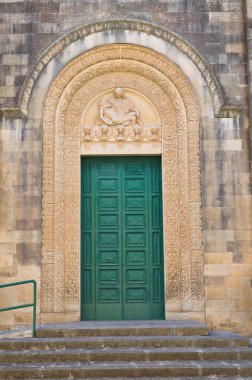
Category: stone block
[217,218]
[216,293]
[214,318]
[218,201]
[225,17]
[243,304]
[9,80]
[216,241]
[248,270]
[7,92]
[24,224]
[7,318]
[214,281]
[8,248]
[242,217]
[239,294]
[6,218]
[218,258]
[28,253]
[220,305]
[9,294]
[215,270]
[238,48]
[23,317]
[34,269]
[6,168]
[240,317]
[236,269]
[6,261]
[29,27]
[230,281]
[26,293]
[15,59]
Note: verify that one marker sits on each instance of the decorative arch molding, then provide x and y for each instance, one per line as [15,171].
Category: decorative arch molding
[170,92]
[163,34]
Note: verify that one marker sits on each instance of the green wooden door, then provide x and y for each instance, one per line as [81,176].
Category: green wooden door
[121,238]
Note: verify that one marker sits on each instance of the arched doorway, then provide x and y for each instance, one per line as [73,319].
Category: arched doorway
[157,80]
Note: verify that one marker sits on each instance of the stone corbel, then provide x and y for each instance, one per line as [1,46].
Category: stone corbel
[12,113]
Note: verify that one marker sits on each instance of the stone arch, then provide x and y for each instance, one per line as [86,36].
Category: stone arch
[169,90]
[159,35]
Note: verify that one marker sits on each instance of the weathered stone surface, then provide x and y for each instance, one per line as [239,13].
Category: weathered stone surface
[103,356]
[221,32]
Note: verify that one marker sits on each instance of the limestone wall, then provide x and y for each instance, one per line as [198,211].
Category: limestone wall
[215,27]
[218,30]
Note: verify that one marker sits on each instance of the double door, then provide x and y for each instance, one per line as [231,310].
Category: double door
[121,238]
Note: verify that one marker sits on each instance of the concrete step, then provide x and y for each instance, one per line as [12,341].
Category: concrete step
[214,339]
[122,328]
[125,354]
[178,369]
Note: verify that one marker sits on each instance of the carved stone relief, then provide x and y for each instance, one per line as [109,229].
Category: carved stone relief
[169,91]
[119,119]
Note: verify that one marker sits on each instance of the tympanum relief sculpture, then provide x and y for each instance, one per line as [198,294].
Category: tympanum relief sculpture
[120,119]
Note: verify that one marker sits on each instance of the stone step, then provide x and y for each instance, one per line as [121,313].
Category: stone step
[214,339]
[126,354]
[109,370]
[122,328]
[160,378]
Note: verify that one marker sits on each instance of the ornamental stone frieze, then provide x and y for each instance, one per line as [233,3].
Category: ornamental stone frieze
[121,133]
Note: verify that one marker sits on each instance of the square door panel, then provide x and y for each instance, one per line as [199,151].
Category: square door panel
[135,238]
[108,203]
[136,276]
[108,257]
[107,185]
[134,203]
[134,185]
[108,221]
[108,295]
[135,221]
[108,239]
[136,295]
[108,276]
[108,168]
[135,257]
[134,168]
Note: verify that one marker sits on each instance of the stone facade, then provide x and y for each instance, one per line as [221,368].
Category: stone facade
[208,41]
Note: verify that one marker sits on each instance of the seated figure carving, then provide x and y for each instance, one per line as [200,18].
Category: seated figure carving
[118,110]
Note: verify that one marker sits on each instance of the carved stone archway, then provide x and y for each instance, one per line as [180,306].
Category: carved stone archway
[133,67]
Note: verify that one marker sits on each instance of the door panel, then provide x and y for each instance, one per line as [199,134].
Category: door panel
[122,250]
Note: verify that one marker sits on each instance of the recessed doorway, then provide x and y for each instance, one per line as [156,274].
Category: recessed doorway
[121,238]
